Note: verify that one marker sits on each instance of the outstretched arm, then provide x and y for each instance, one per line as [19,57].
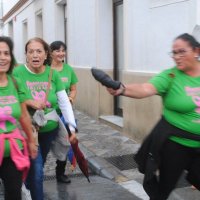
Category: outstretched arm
[134,90]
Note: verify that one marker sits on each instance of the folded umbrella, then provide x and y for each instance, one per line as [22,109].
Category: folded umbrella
[105,79]
[82,162]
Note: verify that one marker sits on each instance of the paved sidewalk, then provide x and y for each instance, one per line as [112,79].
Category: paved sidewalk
[101,143]
[110,155]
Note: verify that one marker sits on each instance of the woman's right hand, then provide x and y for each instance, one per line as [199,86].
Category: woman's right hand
[36,104]
[72,138]
[117,92]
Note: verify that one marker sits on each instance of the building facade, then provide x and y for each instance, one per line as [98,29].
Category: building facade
[129,39]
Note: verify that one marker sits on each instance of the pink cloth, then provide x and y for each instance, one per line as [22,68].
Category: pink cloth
[20,158]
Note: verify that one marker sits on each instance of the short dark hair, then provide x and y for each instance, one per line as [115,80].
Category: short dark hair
[57,44]
[190,39]
[46,48]
[10,44]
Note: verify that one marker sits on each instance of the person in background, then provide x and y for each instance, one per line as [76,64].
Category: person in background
[69,79]
[14,160]
[179,88]
[35,79]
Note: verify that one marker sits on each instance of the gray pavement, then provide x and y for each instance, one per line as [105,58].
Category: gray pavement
[79,189]
[110,155]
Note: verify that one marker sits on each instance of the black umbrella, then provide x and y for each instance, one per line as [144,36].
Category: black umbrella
[105,79]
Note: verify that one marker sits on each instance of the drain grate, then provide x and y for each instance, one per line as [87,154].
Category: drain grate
[123,162]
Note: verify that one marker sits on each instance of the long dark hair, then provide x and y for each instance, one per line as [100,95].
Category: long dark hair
[57,44]
[9,42]
[46,48]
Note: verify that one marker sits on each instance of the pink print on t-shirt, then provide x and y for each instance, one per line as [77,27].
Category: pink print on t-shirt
[5,115]
[64,79]
[196,100]
[40,96]
[195,94]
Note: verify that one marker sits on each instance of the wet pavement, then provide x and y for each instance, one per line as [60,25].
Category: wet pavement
[79,189]
[110,155]
[113,172]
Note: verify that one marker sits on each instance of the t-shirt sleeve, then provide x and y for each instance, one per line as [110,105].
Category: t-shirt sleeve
[22,92]
[162,81]
[15,72]
[74,78]
[58,82]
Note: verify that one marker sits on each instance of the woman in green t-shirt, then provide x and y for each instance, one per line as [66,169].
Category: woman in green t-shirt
[69,79]
[13,110]
[36,80]
[179,149]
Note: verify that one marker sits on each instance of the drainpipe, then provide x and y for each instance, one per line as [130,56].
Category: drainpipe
[65,28]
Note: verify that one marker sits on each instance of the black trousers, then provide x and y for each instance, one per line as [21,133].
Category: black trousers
[12,179]
[175,158]
[60,167]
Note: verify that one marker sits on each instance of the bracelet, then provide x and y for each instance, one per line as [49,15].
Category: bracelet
[123,88]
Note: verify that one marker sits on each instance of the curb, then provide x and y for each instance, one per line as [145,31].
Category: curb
[102,167]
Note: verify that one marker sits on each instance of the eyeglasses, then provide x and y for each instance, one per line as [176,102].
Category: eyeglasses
[180,53]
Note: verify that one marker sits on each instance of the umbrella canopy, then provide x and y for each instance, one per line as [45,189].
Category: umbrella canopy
[105,79]
[82,162]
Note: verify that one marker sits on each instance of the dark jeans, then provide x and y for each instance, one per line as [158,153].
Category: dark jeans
[12,179]
[175,159]
[34,181]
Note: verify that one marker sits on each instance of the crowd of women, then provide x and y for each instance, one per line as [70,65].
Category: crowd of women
[25,89]
[46,83]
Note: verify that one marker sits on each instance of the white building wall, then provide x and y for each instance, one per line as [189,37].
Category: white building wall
[149,28]
[81,31]
[104,34]
[149,32]
[90,29]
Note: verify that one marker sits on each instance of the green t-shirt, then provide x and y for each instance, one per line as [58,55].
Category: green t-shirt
[181,102]
[68,76]
[10,112]
[36,85]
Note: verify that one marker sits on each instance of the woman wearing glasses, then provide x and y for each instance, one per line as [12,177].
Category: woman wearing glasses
[174,144]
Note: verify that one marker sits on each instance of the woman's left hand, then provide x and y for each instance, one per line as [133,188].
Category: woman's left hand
[33,149]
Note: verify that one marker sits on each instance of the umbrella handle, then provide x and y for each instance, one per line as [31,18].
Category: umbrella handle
[69,131]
